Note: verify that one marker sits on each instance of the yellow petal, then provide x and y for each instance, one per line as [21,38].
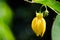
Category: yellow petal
[39,26]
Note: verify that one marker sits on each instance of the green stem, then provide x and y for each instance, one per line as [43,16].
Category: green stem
[41,8]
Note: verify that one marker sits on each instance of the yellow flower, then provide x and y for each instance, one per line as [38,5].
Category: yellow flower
[39,25]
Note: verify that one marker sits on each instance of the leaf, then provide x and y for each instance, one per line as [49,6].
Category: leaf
[5,13]
[40,1]
[5,33]
[53,4]
[56,29]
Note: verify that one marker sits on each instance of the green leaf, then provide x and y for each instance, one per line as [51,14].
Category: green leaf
[56,29]
[40,1]
[5,13]
[53,4]
[5,33]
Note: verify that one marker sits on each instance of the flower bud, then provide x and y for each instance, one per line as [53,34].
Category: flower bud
[39,25]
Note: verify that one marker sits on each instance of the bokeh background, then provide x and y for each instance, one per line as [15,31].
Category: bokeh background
[24,12]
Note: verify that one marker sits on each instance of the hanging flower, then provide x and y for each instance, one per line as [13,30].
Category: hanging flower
[39,24]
